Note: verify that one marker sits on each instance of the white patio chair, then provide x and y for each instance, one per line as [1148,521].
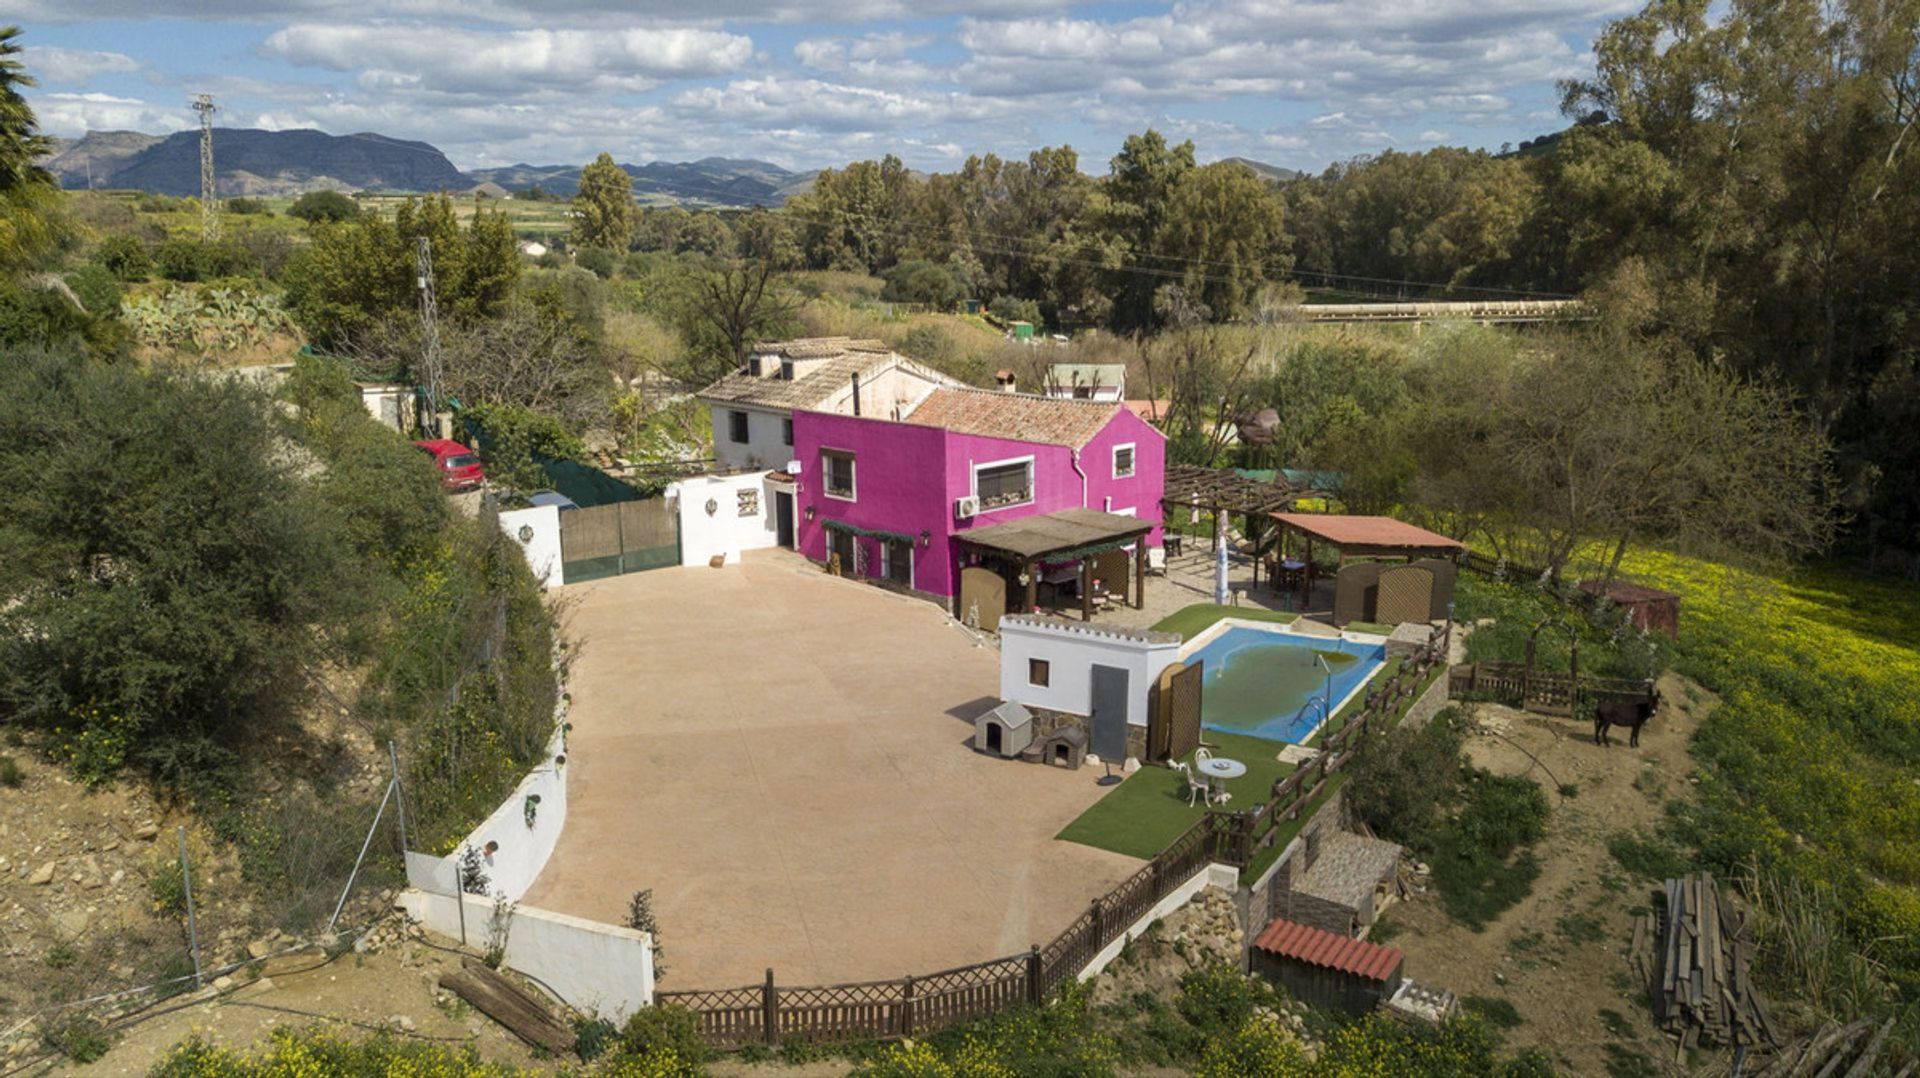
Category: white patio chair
[1201,756]
[1196,785]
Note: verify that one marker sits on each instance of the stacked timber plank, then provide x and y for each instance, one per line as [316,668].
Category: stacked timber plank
[1696,958]
[510,1005]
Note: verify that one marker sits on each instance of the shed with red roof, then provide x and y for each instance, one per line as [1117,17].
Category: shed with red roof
[1327,969]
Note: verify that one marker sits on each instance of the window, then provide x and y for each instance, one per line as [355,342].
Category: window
[1000,485]
[837,466]
[1122,461]
[737,427]
[753,366]
[1038,671]
[1083,393]
[786,431]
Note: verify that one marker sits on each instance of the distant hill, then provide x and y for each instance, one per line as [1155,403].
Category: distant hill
[713,181]
[254,162]
[1271,173]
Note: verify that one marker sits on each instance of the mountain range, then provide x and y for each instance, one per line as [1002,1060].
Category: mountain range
[255,163]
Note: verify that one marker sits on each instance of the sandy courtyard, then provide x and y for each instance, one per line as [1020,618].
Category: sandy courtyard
[783,757]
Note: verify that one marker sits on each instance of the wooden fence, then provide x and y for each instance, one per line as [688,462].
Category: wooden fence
[1549,692]
[1253,830]
[767,1013]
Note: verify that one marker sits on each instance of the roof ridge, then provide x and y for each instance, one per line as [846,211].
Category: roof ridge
[1033,397]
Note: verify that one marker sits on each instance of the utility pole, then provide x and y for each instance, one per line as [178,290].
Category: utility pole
[209,201]
[429,328]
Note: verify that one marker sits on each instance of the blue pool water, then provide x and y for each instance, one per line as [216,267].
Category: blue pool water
[1269,684]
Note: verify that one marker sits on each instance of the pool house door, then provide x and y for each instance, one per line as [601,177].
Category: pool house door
[1108,738]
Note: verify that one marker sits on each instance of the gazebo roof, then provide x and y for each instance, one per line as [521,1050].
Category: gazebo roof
[1367,534]
[1067,532]
[1227,490]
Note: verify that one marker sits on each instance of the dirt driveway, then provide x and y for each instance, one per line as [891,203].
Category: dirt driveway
[784,758]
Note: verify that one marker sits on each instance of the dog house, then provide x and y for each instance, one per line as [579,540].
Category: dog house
[1006,731]
[1065,747]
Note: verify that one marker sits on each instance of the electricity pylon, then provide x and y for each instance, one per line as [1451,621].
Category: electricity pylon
[209,202]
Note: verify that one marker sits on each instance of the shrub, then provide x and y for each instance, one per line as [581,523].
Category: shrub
[664,1029]
[183,259]
[919,281]
[318,1051]
[125,257]
[1217,998]
[597,259]
[324,206]
[1400,778]
[10,774]
[1502,813]
[1014,309]
[97,288]
[1257,1049]
[247,207]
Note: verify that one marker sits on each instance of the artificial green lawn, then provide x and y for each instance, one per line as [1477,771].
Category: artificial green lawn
[1191,621]
[1142,815]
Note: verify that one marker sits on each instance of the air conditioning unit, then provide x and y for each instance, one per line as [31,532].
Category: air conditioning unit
[966,508]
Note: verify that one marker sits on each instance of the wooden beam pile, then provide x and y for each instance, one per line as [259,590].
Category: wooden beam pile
[1832,1047]
[508,1004]
[1696,960]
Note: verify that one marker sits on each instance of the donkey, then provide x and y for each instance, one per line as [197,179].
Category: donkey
[1629,713]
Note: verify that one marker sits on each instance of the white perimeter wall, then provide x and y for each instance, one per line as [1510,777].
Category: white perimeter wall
[1071,651]
[523,849]
[542,551]
[725,531]
[596,968]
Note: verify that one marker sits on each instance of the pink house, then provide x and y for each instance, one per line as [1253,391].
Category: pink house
[896,499]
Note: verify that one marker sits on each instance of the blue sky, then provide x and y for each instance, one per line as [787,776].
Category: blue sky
[808,83]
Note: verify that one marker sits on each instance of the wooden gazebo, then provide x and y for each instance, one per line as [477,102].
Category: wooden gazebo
[1370,537]
[1070,535]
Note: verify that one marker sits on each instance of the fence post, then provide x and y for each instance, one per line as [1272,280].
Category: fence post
[400,802]
[186,886]
[1034,991]
[906,1008]
[770,1011]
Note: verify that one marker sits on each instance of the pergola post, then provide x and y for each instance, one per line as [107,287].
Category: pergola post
[1139,573]
[1086,590]
[1033,587]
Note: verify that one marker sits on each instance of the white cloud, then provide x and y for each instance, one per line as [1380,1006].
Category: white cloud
[73,115]
[55,66]
[828,106]
[529,13]
[510,64]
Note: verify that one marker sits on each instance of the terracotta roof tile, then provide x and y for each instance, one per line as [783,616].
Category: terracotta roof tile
[1019,417]
[1328,950]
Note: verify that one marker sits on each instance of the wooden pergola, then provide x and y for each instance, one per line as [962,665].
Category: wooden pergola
[1070,535]
[1225,492]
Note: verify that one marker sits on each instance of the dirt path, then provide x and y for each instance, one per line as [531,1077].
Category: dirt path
[1559,955]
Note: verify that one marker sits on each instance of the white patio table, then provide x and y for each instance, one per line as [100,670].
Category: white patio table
[1218,770]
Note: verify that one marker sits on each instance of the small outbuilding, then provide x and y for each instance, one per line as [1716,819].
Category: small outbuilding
[1324,969]
[1006,730]
[1650,609]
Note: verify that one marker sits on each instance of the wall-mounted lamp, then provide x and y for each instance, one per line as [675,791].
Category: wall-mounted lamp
[926,537]
[492,848]
[809,514]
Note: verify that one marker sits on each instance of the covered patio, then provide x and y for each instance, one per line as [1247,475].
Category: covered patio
[1368,538]
[1023,549]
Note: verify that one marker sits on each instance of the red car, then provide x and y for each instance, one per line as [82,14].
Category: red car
[459,467]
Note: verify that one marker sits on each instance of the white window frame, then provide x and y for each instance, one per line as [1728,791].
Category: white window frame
[1133,461]
[886,563]
[1033,481]
[853,474]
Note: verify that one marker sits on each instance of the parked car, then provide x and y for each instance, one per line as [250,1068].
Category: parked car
[459,466]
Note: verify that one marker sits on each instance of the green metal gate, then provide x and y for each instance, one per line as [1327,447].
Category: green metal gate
[623,537]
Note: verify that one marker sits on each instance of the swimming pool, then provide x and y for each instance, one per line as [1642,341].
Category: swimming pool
[1268,683]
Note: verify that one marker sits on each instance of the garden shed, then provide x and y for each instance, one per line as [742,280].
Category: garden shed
[1650,609]
[1324,969]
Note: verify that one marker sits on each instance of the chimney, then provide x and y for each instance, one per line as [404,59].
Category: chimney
[1005,380]
[856,393]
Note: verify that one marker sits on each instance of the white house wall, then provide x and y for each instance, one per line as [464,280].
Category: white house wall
[765,447]
[1071,651]
[539,543]
[724,531]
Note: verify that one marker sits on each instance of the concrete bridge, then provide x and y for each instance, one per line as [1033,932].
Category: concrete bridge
[1482,311]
